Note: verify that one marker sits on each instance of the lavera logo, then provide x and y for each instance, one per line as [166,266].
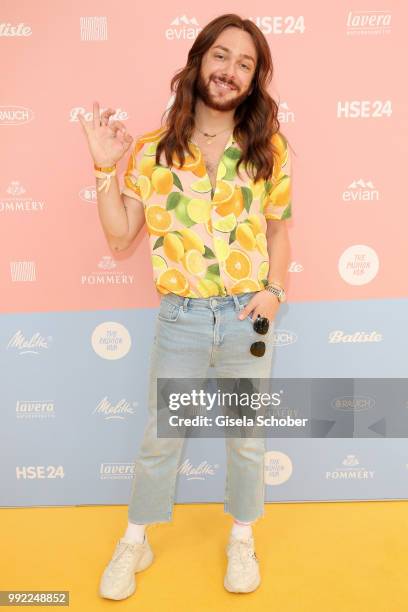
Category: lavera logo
[120,410]
[363,23]
[360,191]
[31,409]
[337,336]
[15,115]
[200,472]
[32,345]
[116,471]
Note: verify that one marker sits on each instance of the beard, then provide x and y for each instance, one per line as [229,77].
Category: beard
[231,101]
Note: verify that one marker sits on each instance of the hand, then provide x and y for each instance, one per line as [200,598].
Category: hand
[263,303]
[108,142]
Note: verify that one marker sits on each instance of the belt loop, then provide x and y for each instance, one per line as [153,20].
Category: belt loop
[185,302]
[236,302]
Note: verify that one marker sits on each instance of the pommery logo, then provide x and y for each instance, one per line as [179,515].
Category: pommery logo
[182,28]
[32,345]
[17,202]
[351,470]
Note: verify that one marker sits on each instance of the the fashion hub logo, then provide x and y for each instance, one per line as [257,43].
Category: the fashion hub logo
[19,30]
[363,109]
[116,471]
[32,345]
[358,264]
[280,24]
[338,336]
[111,340]
[17,202]
[107,274]
[15,115]
[33,409]
[368,23]
[283,337]
[350,470]
[182,28]
[119,115]
[278,468]
[199,472]
[360,191]
[119,410]
[39,472]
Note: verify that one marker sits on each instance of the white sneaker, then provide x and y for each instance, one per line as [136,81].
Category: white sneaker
[118,579]
[242,574]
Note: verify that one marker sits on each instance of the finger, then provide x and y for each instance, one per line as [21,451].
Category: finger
[96,115]
[245,311]
[118,125]
[105,116]
[83,123]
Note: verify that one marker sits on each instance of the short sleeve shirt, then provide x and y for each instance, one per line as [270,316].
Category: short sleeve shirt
[205,243]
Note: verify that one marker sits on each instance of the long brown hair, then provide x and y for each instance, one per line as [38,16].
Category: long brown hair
[255,119]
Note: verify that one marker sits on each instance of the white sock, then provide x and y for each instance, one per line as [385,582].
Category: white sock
[241,530]
[135,533]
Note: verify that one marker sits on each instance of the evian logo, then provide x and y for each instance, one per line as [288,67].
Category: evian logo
[106,276]
[361,191]
[338,335]
[351,470]
[358,264]
[114,411]
[182,28]
[202,471]
[16,203]
[282,337]
[88,116]
[15,115]
[285,115]
[363,23]
[32,345]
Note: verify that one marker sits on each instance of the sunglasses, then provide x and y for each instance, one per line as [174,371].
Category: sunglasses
[261,326]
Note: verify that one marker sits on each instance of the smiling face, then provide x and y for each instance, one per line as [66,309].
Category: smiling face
[227,70]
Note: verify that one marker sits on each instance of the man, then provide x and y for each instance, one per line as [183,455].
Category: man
[214,189]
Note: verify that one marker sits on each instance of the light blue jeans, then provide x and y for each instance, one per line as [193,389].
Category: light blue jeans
[193,334]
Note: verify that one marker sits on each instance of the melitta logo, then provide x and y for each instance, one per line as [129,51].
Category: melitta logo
[282,337]
[363,109]
[119,115]
[8,30]
[114,411]
[15,115]
[374,22]
[280,24]
[33,345]
[182,28]
[360,191]
[351,470]
[200,472]
[338,335]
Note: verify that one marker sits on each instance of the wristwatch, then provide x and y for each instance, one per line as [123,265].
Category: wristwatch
[278,291]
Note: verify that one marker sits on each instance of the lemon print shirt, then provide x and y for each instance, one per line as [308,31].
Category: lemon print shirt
[202,243]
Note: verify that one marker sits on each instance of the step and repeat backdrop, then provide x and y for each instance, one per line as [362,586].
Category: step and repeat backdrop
[77,321]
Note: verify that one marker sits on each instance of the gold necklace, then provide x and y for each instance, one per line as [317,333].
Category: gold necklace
[211,135]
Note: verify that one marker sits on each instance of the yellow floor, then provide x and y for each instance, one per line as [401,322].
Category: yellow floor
[331,557]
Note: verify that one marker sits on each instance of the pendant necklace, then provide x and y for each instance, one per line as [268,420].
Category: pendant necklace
[210,136]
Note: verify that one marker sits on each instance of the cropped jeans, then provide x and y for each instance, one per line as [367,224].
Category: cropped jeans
[191,335]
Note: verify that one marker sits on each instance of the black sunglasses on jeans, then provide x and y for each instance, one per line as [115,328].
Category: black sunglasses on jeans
[261,326]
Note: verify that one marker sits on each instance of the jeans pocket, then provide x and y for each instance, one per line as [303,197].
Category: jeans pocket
[168,311]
